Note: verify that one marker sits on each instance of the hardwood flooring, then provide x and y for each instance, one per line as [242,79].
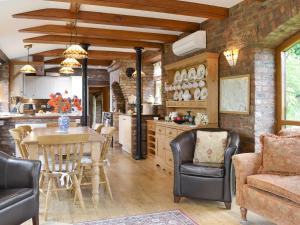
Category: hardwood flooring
[139,187]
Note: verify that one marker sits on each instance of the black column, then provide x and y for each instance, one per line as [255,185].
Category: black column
[84,119]
[139,152]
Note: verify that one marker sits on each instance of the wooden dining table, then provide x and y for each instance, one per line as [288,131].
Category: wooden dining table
[93,146]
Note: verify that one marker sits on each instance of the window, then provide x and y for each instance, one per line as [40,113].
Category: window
[158,84]
[288,79]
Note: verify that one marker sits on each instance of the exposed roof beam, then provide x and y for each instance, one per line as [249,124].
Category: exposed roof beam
[58,39]
[151,57]
[93,62]
[110,19]
[93,54]
[102,33]
[164,6]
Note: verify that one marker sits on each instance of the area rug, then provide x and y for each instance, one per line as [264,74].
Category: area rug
[175,217]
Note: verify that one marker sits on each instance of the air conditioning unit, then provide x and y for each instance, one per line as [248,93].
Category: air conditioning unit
[189,44]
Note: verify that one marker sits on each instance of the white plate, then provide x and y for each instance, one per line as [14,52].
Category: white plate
[190,85]
[204,93]
[180,95]
[184,75]
[179,87]
[201,72]
[192,74]
[197,93]
[186,95]
[176,77]
[201,83]
[175,96]
[195,84]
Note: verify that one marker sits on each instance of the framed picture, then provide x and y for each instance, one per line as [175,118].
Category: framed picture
[235,94]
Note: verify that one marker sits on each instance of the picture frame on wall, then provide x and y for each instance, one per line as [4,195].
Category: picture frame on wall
[235,94]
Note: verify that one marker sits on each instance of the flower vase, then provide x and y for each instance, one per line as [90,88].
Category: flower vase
[63,123]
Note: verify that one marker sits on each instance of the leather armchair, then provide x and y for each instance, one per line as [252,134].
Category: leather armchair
[19,190]
[202,182]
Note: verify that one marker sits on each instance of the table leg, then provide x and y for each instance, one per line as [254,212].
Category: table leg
[33,151]
[95,167]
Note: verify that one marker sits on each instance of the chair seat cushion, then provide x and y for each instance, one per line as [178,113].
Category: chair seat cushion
[205,171]
[11,196]
[283,186]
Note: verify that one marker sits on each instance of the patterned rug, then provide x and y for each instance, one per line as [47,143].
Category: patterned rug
[175,217]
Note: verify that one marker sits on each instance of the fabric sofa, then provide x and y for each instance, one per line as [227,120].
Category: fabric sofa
[19,190]
[276,197]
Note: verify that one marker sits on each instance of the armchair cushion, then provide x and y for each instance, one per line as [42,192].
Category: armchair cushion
[283,186]
[9,197]
[203,171]
[210,147]
[281,155]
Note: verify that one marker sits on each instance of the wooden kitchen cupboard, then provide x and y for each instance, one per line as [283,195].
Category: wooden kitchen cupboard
[165,132]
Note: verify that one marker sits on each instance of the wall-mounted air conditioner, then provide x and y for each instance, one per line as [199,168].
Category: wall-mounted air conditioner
[189,44]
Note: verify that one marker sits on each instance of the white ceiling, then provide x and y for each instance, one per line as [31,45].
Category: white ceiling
[11,41]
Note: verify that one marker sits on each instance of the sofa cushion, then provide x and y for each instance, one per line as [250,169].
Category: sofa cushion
[205,171]
[11,196]
[210,147]
[294,131]
[280,154]
[283,186]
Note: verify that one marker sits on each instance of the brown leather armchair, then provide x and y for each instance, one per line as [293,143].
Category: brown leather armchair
[202,182]
[19,190]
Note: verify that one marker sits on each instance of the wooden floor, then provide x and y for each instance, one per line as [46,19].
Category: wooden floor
[140,187]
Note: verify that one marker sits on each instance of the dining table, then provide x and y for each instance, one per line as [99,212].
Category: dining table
[93,146]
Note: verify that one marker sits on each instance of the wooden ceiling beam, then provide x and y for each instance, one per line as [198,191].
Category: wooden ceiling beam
[58,39]
[108,19]
[163,6]
[102,33]
[151,57]
[92,62]
[93,54]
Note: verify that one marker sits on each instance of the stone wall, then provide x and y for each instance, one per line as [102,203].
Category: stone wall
[4,87]
[255,28]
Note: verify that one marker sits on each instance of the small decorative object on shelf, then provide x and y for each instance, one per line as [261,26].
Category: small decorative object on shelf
[201,119]
[64,105]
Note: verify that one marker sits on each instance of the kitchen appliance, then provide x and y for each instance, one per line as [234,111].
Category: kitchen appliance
[147,109]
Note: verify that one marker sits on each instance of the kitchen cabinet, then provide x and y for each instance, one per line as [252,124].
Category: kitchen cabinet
[39,87]
[125,132]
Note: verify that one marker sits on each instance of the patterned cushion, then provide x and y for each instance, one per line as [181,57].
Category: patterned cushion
[290,131]
[280,154]
[210,147]
[283,186]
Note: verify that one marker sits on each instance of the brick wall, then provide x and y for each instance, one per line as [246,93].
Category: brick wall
[255,28]
[128,85]
[4,87]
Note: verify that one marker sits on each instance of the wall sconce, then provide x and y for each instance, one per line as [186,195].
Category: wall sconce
[232,56]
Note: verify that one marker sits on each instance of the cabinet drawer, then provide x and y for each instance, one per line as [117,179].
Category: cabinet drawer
[151,126]
[171,132]
[160,130]
[169,158]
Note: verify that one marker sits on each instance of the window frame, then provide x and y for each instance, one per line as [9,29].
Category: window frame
[280,77]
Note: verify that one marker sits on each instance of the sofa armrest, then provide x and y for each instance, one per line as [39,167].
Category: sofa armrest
[19,173]
[245,165]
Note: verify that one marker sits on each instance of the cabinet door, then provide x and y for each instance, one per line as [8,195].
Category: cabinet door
[30,87]
[160,147]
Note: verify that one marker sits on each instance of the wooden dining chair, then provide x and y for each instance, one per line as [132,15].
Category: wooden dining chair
[17,135]
[98,127]
[86,165]
[62,155]
[55,124]
[25,129]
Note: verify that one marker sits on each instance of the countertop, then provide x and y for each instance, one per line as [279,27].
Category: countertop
[23,116]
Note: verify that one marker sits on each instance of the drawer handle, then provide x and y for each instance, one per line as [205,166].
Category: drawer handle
[170,160]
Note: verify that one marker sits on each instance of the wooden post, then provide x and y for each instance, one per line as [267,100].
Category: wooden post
[139,152]
[84,118]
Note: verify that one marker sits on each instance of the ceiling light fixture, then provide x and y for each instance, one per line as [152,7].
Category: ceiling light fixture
[28,69]
[70,62]
[75,51]
[66,70]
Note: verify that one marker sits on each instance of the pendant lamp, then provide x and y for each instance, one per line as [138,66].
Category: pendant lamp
[28,69]
[66,70]
[70,62]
